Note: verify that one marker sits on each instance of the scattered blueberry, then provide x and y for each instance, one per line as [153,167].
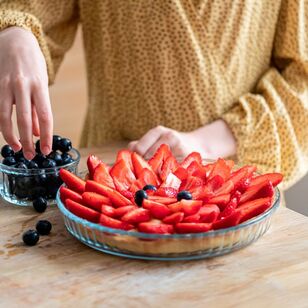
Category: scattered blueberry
[38,146]
[32,165]
[139,196]
[9,161]
[21,166]
[184,194]
[55,142]
[149,187]
[49,163]
[7,151]
[65,145]
[30,237]
[43,227]
[40,204]
[56,157]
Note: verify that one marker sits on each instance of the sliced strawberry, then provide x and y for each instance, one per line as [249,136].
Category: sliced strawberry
[119,212]
[101,175]
[202,192]
[230,163]
[192,218]
[174,218]
[209,213]
[240,176]
[208,169]
[192,157]
[116,198]
[222,169]
[181,173]
[163,200]
[274,178]
[191,207]
[183,227]
[166,192]
[137,216]
[196,169]
[221,200]
[158,228]
[215,182]
[94,200]
[171,181]
[230,208]
[82,211]
[92,162]
[66,193]
[143,170]
[114,223]
[156,209]
[227,222]
[261,190]
[191,183]
[108,210]
[122,175]
[253,208]
[72,181]
[158,159]
[169,166]
[127,194]
[176,207]
[125,155]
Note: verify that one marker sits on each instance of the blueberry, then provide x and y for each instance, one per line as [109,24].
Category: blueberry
[7,151]
[38,146]
[32,165]
[18,155]
[56,157]
[9,161]
[66,159]
[149,187]
[43,227]
[49,163]
[21,166]
[53,183]
[55,142]
[184,194]
[21,159]
[38,188]
[65,145]
[40,204]
[30,237]
[139,196]
[39,158]
[22,187]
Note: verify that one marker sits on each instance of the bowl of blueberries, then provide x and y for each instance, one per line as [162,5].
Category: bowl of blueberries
[36,182]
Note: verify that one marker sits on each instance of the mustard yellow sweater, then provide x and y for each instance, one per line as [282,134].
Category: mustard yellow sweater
[185,63]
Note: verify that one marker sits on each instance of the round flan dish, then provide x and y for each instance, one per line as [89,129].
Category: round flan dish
[165,209]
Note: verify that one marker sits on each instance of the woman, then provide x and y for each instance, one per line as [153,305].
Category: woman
[226,77]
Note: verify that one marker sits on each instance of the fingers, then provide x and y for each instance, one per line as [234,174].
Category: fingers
[44,114]
[24,116]
[150,138]
[132,145]
[35,122]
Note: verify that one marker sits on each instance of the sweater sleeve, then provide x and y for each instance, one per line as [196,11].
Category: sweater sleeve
[53,23]
[271,124]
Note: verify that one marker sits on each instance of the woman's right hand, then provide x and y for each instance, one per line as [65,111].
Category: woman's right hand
[24,82]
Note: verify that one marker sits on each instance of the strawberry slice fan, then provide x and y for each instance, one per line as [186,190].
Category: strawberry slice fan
[165,197]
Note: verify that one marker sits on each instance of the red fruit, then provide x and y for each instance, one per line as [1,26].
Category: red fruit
[108,210]
[240,176]
[171,181]
[174,218]
[176,207]
[222,169]
[183,227]
[208,169]
[136,216]
[215,183]
[127,194]
[261,190]
[220,200]
[209,213]
[192,218]
[191,207]
[72,181]
[157,210]
[253,208]
[158,159]
[274,178]
[94,200]
[230,163]
[122,175]
[125,155]
[115,197]
[101,175]
[92,162]
[227,222]
[181,173]
[82,211]
[119,212]
[226,188]
[114,223]
[192,157]
[163,200]
[202,192]
[66,193]
[169,166]
[166,192]
[158,228]
[191,183]
[230,208]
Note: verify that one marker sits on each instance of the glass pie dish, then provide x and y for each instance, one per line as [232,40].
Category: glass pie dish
[21,186]
[138,245]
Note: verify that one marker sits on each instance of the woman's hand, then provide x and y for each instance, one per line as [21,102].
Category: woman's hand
[24,82]
[211,141]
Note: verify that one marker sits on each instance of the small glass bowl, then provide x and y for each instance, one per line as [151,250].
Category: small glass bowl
[138,245]
[20,187]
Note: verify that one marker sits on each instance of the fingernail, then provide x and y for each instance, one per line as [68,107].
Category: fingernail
[29,155]
[16,147]
[46,150]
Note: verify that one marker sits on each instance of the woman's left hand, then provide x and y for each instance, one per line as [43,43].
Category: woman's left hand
[211,141]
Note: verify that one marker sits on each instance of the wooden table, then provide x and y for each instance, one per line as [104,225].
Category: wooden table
[60,271]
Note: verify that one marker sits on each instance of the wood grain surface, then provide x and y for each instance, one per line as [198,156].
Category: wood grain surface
[61,272]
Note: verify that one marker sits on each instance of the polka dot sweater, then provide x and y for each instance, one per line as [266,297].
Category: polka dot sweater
[186,63]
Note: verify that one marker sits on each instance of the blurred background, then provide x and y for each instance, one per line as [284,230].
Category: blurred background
[69,103]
